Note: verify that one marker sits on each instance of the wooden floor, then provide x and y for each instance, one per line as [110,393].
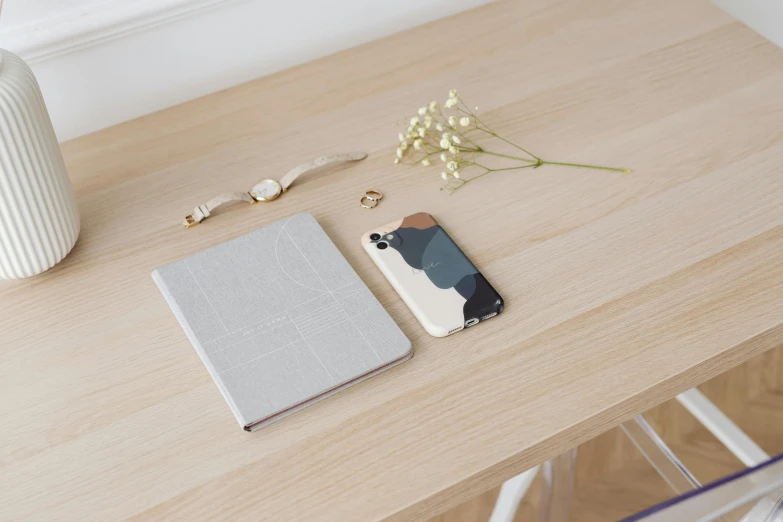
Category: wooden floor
[613,480]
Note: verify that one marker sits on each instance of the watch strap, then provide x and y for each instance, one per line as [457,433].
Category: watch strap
[201,212]
[317,163]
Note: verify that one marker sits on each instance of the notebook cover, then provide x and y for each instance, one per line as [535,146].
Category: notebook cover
[280,319]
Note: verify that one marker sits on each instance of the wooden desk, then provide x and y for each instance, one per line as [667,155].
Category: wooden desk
[621,290]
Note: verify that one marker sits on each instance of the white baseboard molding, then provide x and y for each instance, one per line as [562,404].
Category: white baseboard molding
[108,62]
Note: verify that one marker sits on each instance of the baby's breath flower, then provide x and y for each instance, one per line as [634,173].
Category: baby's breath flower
[452,128]
[475,108]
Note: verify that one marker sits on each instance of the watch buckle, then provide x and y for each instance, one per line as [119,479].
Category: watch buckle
[189,221]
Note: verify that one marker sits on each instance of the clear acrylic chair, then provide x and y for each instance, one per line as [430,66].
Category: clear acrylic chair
[752,495]
[558,473]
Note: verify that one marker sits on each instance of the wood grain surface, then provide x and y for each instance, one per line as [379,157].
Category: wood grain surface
[621,290]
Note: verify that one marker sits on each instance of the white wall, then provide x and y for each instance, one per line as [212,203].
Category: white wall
[764,16]
[101,62]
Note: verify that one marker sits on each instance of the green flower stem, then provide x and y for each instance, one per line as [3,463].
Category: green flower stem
[487,170]
[486,129]
[598,167]
[498,170]
[514,145]
[535,159]
[482,151]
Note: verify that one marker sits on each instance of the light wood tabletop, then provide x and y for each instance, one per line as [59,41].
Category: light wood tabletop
[621,290]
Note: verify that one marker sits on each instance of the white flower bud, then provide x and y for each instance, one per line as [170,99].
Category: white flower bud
[401,137]
[425,162]
[451,102]
[444,175]
[444,143]
[433,106]
[452,121]
[396,161]
[414,121]
[399,153]
[446,136]
[456,174]
[464,121]
[451,165]
[404,145]
[422,132]
[456,140]
[453,93]
[417,144]
[443,157]
[453,150]
[422,111]
[439,127]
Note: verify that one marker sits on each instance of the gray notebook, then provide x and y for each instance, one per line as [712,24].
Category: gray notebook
[280,319]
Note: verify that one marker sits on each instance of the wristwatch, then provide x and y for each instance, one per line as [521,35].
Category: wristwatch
[268,189]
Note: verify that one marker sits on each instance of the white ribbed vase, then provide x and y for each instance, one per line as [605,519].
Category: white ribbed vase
[39,219]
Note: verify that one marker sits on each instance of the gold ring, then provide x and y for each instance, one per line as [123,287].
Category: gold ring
[373,195]
[373,201]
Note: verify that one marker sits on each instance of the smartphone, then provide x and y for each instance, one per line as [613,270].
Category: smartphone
[443,289]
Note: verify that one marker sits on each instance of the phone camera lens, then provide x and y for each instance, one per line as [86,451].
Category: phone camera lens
[382,245]
[375,236]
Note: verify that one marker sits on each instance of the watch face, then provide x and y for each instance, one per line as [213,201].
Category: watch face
[266,190]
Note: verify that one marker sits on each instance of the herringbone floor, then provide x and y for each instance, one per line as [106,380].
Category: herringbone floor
[613,480]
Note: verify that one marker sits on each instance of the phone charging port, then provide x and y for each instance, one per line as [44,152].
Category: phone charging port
[471,322]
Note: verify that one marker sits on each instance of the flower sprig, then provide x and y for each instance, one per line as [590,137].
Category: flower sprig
[451,135]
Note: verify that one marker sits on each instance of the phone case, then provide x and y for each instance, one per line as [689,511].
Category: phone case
[437,281]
